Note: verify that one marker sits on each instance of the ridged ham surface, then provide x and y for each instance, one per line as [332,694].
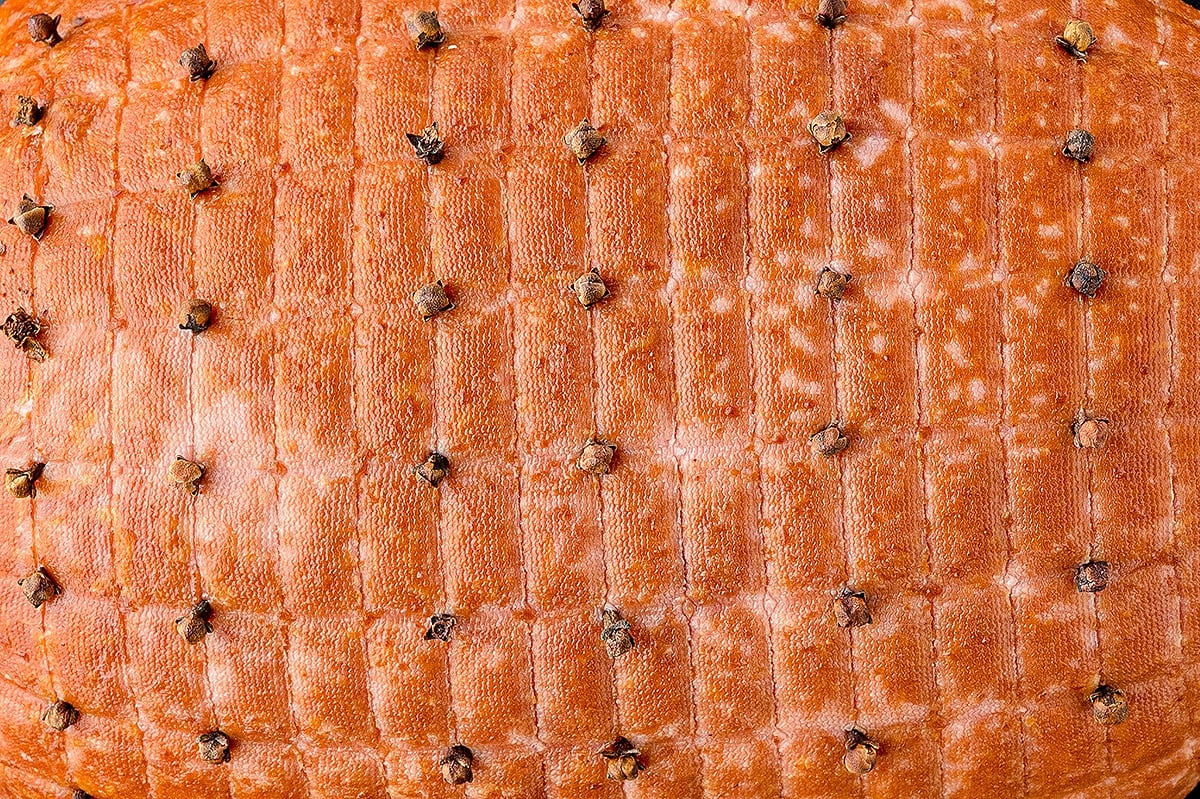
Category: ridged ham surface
[956,361]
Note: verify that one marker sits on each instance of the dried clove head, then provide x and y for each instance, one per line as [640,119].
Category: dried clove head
[197,316]
[1085,277]
[29,113]
[31,218]
[39,587]
[60,715]
[24,330]
[44,28]
[428,145]
[1091,577]
[829,130]
[1077,37]
[829,440]
[1079,145]
[425,30]
[1109,705]
[440,627]
[81,794]
[22,483]
[431,300]
[589,288]
[194,624]
[591,13]
[186,474]
[622,757]
[583,140]
[831,13]
[456,765]
[197,178]
[197,63]
[433,468]
[861,752]
[615,633]
[831,284]
[850,608]
[596,457]
[214,747]
[1090,432]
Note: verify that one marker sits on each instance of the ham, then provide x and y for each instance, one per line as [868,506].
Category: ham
[347,476]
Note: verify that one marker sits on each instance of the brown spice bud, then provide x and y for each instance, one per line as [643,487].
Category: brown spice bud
[197,178]
[197,63]
[425,30]
[1109,705]
[194,624]
[591,13]
[622,757]
[850,608]
[1077,37]
[583,140]
[440,627]
[1079,145]
[829,130]
[29,113]
[22,483]
[31,218]
[431,300]
[428,145]
[39,587]
[81,794]
[60,715]
[596,457]
[589,288]
[197,316]
[861,752]
[1085,277]
[186,474]
[214,747]
[829,440]
[1090,432]
[44,28]
[24,330]
[831,13]
[456,765]
[433,469]
[831,284]
[1091,577]
[615,634]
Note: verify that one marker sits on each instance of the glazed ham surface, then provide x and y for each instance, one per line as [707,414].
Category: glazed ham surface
[956,363]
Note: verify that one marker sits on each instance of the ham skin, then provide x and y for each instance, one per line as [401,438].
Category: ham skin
[957,363]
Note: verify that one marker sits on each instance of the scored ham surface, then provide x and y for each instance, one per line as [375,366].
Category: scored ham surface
[956,362]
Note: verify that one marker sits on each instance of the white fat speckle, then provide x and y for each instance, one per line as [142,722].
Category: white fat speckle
[1050,231]
[955,351]
[781,31]
[274,316]
[978,389]
[878,248]
[1114,35]
[24,408]
[868,150]
[894,111]
[879,343]
[721,305]
[681,171]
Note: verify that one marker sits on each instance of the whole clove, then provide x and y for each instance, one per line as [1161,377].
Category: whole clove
[425,30]
[28,113]
[433,469]
[829,130]
[24,330]
[197,63]
[440,627]
[194,624]
[214,747]
[44,28]
[31,218]
[197,316]
[623,760]
[829,440]
[591,13]
[431,300]
[596,457]
[197,178]
[22,483]
[39,587]
[186,474]
[456,765]
[60,715]
[428,145]
[861,752]
[831,284]
[1085,277]
[1089,432]
[615,634]
[589,288]
[850,608]
[1077,38]
[1109,705]
[1079,145]
[1091,577]
[831,13]
[583,141]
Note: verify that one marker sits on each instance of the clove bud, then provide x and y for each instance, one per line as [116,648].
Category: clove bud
[197,178]
[186,474]
[431,300]
[1079,145]
[1091,577]
[829,130]
[24,330]
[22,483]
[39,587]
[615,633]
[44,28]
[214,747]
[440,627]
[861,752]
[29,113]
[589,288]
[1090,432]
[428,145]
[456,765]
[433,469]
[829,440]
[1077,37]
[1085,277]
[425,30]
[197,63]
[60,715]
[591,13]
[850,608]
[622,757]
[583,140]
[1109,705]
[831,13]
[831,284]
[31,218]
[194,624]
[196,316]
[596,457]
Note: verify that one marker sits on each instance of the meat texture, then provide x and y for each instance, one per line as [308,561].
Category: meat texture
[956,363]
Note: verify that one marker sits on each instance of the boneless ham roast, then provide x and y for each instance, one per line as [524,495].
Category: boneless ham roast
[705,399]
